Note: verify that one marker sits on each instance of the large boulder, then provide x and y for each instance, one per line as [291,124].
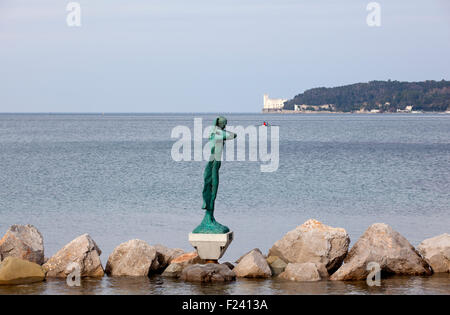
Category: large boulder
[178,264]
[276,264]
[18,271]
[313,242]
[23,241]
[165,255]
[173,271]
[207,273]
[253,265]
[132,258]
[382,245]
[82,251]
[436,251]
[304,272]
[254,249]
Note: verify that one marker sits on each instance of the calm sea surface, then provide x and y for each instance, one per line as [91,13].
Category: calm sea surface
[113,176]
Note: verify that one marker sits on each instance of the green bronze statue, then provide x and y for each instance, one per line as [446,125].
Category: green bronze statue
[211,178]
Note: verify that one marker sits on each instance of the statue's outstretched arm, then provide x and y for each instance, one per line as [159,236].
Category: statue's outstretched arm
[221,134]
[229,135]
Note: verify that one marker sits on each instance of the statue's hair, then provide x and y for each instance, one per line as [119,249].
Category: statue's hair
[219,118]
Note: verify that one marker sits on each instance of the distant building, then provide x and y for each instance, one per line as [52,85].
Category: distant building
[408,109]
[273,104]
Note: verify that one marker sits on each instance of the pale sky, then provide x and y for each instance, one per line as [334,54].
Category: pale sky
[209,55]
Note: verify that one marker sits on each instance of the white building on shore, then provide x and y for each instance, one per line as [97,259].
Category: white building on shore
[408,109]
[273,104]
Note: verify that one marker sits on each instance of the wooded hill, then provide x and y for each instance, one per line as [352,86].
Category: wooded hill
[387,96]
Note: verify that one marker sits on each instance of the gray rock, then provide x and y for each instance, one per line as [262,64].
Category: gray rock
[323,272]
[382,245]
[173,271]
[436,251]
[253,265]
[313,242]
[208,273]
[302,272]
[276,264]
[165,256]
[229,265]
[83,251]
[18,271]
[132,258]
[254,249]
[24,242]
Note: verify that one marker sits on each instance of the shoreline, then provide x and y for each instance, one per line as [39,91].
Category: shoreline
[359,113]
[437,284]
[311,253]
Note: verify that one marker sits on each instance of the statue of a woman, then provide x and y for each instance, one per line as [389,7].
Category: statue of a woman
[211,178]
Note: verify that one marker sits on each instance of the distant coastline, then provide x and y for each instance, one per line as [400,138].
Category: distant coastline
[287,111]
[368,98]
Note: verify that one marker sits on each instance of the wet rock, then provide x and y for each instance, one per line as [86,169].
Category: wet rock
[436,251]
[132,258]
[253,265]
[276,264]
[303,272]
[82,251]
[18,271]
[24,242]
[381,244]
[313,242]
[207,273]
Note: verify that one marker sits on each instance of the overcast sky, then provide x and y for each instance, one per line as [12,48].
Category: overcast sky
[208,55]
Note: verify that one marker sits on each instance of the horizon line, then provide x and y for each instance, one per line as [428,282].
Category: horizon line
[113,113]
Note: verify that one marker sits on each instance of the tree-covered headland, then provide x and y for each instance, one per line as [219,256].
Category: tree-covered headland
[385,96]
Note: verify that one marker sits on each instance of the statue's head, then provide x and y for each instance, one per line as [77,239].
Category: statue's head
[221,122]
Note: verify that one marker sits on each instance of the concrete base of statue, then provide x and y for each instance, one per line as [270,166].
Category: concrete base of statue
[210,246]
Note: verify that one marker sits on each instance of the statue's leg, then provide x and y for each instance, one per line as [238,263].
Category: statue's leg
[214,183]
[207,184]
[218,228]
[209,225]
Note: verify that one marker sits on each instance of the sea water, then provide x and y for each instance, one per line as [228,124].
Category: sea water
[113,176]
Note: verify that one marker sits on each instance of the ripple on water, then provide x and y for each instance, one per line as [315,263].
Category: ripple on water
[435,284]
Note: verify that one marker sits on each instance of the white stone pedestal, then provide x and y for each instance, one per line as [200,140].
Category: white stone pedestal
[210,246]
